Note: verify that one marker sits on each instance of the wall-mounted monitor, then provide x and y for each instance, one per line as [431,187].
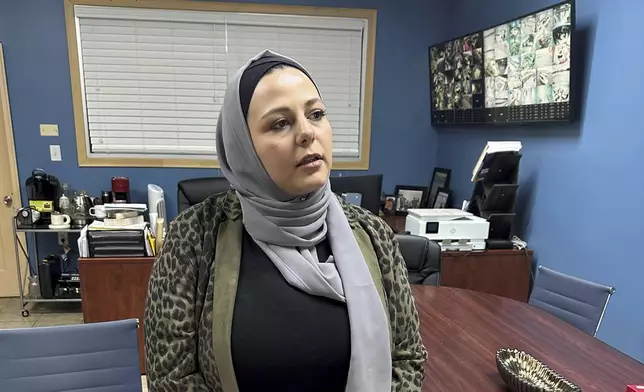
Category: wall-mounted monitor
[515,72]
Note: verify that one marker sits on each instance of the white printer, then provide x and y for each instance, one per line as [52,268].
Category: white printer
[452,228]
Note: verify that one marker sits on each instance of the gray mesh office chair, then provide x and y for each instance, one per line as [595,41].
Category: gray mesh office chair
[87,357]
[576,301]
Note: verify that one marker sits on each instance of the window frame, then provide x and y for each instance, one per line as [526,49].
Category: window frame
[86,160]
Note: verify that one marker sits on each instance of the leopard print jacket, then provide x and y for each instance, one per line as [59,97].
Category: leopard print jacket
[179,309]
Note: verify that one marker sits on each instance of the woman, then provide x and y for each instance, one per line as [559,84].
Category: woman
[278,285]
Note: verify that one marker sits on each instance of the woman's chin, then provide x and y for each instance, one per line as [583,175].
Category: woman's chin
[312,182]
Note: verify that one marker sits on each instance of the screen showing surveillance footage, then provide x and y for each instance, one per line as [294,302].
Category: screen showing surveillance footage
[457,73]
[527,61]
[526,72]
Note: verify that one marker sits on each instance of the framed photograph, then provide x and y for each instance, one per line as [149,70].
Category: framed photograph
[390,204]
[409,196]
[443,198]
[440,179]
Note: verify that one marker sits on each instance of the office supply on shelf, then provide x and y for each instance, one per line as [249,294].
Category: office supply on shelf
[496,176]
[491,148]
[117,243]
[98,225]
[116,207]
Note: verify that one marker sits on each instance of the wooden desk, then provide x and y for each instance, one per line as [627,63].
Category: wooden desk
[498,271]
[396,222]
[115,289]
[462,330]
[501,272]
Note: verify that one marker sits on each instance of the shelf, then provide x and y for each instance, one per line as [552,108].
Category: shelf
[32,300]
[46,230]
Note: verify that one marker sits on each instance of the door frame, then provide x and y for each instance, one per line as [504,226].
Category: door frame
[7,129]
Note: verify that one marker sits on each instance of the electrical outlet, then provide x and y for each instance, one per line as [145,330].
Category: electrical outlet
[63,238]
[54,153]
[48,129]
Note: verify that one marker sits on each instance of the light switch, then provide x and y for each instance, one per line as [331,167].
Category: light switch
[54,152]
[48,129]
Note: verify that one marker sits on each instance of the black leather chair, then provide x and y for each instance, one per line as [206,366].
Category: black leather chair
[423,259]
[196,190]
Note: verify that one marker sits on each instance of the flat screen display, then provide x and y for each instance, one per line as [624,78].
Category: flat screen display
[524,77]
[457,73]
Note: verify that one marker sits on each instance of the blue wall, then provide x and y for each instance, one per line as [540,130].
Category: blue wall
[581,186]
[403,143]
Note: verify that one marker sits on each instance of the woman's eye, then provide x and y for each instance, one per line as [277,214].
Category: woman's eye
[317,115]
[281,124]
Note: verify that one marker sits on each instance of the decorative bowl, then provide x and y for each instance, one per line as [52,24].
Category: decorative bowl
[524,373]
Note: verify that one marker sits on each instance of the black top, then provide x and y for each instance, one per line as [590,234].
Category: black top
[284,339]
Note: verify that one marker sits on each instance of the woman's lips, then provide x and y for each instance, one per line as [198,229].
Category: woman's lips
[312,165]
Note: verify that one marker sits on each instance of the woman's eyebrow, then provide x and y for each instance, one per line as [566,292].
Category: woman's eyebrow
[283,109]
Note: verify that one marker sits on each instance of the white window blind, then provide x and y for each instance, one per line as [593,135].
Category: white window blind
[154,80]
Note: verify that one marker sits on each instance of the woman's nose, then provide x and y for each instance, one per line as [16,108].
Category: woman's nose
[306,134]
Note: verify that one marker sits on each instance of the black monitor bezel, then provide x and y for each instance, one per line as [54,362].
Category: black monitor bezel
[572,117]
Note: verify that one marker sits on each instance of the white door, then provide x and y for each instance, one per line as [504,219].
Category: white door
[9,194]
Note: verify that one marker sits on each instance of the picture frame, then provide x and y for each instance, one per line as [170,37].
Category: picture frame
[389,206]
[440,179]
[409,196]
[443,198]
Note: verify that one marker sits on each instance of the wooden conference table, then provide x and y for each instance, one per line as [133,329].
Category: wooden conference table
[462,330]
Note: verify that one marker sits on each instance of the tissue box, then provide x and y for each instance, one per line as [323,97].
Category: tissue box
[635,388]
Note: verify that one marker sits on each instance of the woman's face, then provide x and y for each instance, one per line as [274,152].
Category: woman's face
[290,131]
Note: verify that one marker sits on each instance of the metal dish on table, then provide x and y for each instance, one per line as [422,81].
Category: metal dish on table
[524,373]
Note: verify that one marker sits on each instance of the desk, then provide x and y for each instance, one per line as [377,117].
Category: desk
[115,289]
[504,272]
[462,330]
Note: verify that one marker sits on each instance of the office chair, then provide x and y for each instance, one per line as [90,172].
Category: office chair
[422,257]
[576,301]
[84,357]
[196,190]
[369,186]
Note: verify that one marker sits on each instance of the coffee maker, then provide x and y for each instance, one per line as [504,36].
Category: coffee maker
[43,191]
[120,190]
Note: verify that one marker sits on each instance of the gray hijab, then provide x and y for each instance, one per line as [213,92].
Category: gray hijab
[287,229]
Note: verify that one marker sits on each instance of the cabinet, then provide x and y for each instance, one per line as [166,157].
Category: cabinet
[396,222]
[504,272]
[115,289]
